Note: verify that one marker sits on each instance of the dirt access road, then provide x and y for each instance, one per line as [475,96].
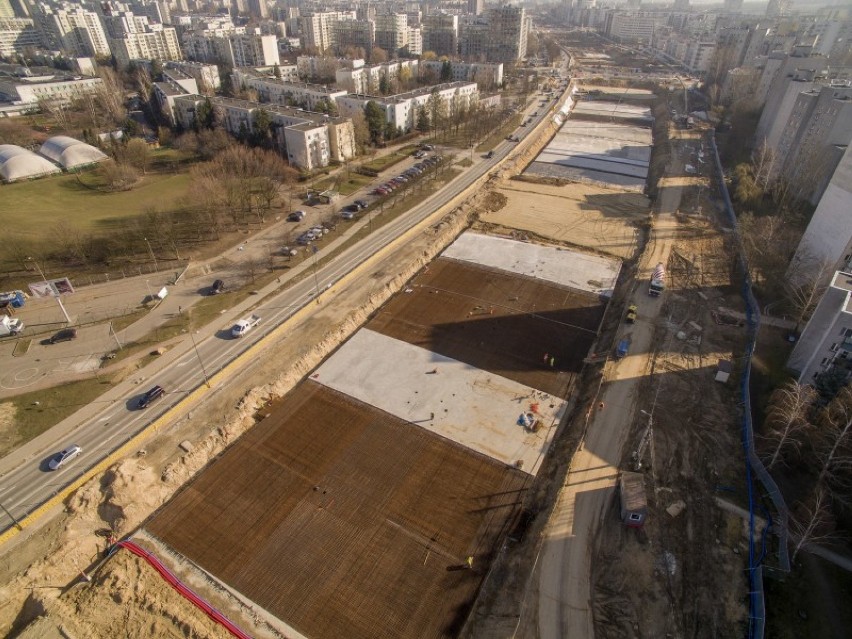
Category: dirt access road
[564,568]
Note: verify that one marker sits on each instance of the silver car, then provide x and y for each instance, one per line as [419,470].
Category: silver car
[64,457]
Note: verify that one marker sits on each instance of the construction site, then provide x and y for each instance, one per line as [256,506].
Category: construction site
[434,452]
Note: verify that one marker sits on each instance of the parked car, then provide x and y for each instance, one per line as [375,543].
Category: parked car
[351,208]
[361,204]
[65,335]
[347,215]
[296,216]
[420,154]
[304,239]
[63,457]
[427,147]
[632,313]
[151,396]
[217,287]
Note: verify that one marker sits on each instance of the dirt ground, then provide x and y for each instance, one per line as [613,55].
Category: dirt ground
[342,520]
[576,214]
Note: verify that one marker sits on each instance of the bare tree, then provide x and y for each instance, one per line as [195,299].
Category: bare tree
[807,281]
[812,520]
[137,154]
[834,449]
[119,177]
[111,95]
[787,421]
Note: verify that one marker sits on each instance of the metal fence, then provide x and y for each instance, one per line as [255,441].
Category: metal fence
[754,467]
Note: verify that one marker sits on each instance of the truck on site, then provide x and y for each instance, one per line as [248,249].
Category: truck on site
[622,348]
[9,326]
[658,281]
[244,325]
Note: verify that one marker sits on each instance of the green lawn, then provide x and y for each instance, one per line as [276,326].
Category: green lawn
[30,208]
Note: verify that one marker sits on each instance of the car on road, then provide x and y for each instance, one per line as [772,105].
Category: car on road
[296,216]
[352,208]
[489,155]
[151,396]
[217,287]
[64,457]
[65,335]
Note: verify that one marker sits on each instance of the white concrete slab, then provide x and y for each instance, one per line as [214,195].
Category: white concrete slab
[580,271]
[469,406]
[587,176]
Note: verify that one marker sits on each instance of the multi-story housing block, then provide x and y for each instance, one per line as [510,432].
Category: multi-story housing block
[159,44]
[310,140]
[401,110]
[354,33]
[77,32]
[18,34]
[391,32]
[441,34]
[313,97]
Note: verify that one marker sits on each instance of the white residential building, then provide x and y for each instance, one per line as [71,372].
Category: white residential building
[318,28]
[54,88]
[310,140]
[206,75]
[234,49]
[401,110]
[827,241]
[313,97]
[149,45]
[826,342]
[368,79]
[17,34]
[78,32]
[486,74]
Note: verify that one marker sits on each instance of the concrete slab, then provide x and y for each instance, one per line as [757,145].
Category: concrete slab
[587,176]
[474,408]
[580,271]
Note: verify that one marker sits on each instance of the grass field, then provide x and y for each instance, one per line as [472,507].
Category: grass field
[30,207]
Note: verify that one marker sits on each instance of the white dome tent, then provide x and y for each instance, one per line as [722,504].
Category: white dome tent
[17,163]
[70,153]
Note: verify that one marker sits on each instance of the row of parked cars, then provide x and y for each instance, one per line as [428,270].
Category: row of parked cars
[406,176]
[348,212]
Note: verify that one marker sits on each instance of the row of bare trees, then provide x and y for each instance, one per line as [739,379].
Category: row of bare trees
[800,430]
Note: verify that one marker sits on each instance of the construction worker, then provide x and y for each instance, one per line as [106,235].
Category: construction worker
[552,362]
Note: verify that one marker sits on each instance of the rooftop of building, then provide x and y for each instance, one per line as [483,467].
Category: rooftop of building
[400,97]
[170,88]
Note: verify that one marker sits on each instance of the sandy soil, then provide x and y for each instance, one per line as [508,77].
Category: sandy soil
[577,214]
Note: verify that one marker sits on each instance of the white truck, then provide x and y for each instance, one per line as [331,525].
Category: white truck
[658,281]
[9,326]
[244,325]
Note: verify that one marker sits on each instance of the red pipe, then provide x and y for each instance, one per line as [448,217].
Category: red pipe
[211,612]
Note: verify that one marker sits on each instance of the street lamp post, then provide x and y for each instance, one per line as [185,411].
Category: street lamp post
[200,361]
[151,251]
[56,295]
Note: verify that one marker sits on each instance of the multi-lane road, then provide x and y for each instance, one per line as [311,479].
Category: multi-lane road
[116,419]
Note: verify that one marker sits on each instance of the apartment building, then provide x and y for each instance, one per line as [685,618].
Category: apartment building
[414,39]
[313,97]
[819,123]
[77,32]
[17,34]
[827,241]
[391,32]
[401,110]
[367,79]
[309,140]
[441,34]
[487,75]
[58,88]
[318,28]
[311,67]
[206,75]
[234,49]
[631,26]
[354,33]
[825,344]
[508,28]
[161,44]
